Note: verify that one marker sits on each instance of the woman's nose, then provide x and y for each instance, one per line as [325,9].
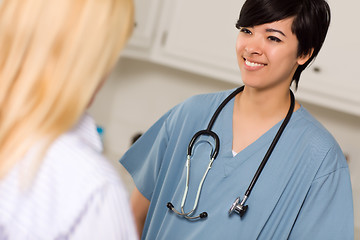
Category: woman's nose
[254,46]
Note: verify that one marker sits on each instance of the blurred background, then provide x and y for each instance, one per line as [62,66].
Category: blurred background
[180,48]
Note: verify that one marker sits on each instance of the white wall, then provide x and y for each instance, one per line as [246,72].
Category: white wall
[138,93]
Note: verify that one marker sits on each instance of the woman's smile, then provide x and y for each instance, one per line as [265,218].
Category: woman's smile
[253,65]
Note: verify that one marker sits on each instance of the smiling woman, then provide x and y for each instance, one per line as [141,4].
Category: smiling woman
[268,54]
[267,146]
[311,23]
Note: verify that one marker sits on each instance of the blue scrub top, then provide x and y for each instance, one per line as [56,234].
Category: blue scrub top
[304,191]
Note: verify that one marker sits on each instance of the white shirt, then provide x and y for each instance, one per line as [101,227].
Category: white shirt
[76,194]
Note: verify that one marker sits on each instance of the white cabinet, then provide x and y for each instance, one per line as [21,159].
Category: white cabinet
[146,18]
[200,36]
[333,80]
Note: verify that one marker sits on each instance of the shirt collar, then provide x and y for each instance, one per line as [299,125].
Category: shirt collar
[86,129]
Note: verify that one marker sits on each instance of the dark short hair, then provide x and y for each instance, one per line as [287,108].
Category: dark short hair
[311,22]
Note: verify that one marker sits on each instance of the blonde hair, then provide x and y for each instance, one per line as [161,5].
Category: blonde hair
[53,56]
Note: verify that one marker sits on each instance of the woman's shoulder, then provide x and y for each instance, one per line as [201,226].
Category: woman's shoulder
[312,129]
[320,144]
[195,110]
[81,148]
[71,175]
[201,103]
[207,98]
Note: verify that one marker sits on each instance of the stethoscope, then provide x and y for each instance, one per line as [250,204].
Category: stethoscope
[238,206]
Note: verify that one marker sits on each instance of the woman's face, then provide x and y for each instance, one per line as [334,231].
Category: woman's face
[267,54]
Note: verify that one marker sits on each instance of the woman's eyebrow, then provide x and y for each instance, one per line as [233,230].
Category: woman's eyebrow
[275,30]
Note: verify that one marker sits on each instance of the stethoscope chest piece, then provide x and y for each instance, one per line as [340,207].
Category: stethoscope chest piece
[238,207]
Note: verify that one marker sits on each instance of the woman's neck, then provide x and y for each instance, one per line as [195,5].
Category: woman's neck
[255,112]
[272,103]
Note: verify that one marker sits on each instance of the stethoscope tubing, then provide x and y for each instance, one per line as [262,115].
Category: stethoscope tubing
[207,132]
[238,205]
[222,105]
[199,188]
[213,156]
[272,146]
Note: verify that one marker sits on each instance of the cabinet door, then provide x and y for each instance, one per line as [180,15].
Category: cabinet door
[200,36]
[333,80]
[146,12]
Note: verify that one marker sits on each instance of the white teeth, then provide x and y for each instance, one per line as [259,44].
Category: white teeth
[252,64]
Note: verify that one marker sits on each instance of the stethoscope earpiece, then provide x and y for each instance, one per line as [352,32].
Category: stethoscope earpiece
[203,215]
[186,215]
[170,206]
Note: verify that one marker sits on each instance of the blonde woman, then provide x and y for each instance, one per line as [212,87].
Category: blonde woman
[54,182]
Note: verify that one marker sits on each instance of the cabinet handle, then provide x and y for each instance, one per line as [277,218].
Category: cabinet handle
[317,69]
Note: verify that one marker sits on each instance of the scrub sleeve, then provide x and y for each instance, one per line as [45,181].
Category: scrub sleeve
[144,163]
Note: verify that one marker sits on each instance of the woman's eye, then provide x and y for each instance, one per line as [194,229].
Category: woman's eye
[245,30]
[274,39]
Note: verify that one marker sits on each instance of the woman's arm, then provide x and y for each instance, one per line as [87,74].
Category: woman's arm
[327,212]
[140,206]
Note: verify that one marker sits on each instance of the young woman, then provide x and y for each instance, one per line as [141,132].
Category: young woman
[261,147]
[54,182]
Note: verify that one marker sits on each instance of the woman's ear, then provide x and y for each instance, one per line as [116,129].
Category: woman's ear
[304,58]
